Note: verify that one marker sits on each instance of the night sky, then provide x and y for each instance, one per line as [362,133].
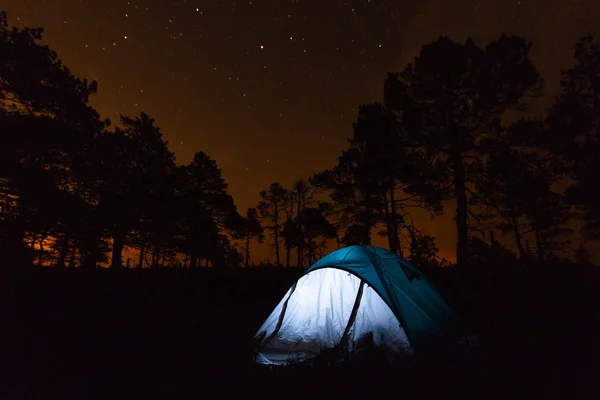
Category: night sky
[270,88]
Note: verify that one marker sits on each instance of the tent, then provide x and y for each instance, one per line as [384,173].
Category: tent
[356,298]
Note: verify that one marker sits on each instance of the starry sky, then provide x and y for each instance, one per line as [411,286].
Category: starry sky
[270,88]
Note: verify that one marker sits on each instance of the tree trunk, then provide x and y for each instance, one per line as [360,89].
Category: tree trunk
[395,243]
[247,250]
[64,249]
[193,260]
[288,251]
[154,257]
[388,221]
[365,219]
[87,258]
[300,239]
[518,240]
[117,250]
[413,243]
[12,243]
[41,256]
[276,228]
[460,192]
[540,247]
[142,255]
[309,245]
[73,255]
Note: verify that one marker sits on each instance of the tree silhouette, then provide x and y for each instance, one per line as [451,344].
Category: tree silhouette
[252,230]
[422,246]
[317,230]
[502,191]
[290,235]
[207,179]
[302,195]
[399,173]
[451,98]
[356,197]
[34,81]
[583,256]
[574,120]
[73,190]
[206,209]
[493,254]
[136,164]
[378,178]
[271,210]
[48,127]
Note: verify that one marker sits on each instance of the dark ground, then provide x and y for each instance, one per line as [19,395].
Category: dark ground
[186,334]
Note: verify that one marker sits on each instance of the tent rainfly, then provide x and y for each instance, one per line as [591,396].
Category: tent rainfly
[355,298]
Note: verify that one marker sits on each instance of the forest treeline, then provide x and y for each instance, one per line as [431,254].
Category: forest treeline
[76,190]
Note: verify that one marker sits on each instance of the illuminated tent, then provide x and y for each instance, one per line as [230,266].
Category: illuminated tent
[356,298]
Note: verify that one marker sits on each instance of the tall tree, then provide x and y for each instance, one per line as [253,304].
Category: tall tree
[47,127]
[451,98]
[252,230]
[378,178]
[136,164]
[396,172]
[317,230]
[356,198]
[207,211]
[270,209]
[207,180]
[574,121]
[501,192]
[302,195]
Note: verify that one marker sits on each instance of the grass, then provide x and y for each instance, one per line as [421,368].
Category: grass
[187,334]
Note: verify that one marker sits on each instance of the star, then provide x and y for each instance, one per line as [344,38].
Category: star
[172,57]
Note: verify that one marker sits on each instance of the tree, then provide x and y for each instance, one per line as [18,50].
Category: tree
[270,209]
[355,201]
[501,191]
[290,235]
[136,163]
[206,210]
[397,172]
[490,255]
[48,127]
[422,246]
[378,178]
[302,195]
[452,98]
[574,121]
[317,230]
[516,186]
[206,178]
[252,230]
[583,256]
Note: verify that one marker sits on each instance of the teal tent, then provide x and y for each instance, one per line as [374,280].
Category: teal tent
[355,296]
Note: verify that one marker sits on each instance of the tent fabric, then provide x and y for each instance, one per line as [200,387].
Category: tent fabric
[398,310]
[317,315]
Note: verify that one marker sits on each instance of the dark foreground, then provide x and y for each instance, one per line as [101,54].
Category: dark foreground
[186,334]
